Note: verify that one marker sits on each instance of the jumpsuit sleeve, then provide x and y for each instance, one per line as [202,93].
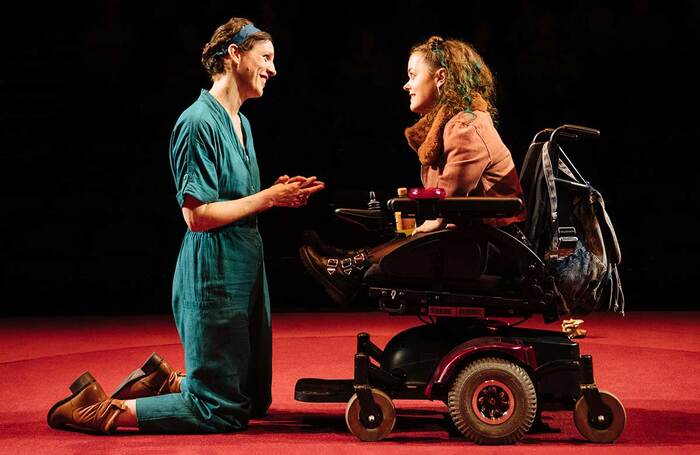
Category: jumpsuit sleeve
[194,163]
[466,159]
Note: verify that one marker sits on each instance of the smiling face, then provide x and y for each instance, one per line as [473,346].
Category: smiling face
[256,66]
[421,86]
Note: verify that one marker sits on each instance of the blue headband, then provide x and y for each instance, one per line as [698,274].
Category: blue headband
[238,38]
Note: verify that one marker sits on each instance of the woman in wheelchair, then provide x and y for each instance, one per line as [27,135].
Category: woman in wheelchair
[457,145]
[461,355]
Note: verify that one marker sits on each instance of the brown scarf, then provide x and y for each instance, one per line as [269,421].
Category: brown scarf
[426,138]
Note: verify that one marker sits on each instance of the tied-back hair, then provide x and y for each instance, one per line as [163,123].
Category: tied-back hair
[213,59]
[469,84]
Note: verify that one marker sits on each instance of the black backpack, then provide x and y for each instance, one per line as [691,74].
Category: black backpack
[569,227]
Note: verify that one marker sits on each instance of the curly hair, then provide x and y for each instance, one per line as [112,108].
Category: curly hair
[469,84]
[212,59]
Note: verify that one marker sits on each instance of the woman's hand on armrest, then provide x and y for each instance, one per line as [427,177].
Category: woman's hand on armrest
[430,226]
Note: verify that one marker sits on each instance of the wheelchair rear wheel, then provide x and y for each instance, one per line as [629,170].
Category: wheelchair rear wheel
[603,429]
[371,431]
[493,401]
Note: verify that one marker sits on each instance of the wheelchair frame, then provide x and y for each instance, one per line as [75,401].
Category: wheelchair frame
[495,378]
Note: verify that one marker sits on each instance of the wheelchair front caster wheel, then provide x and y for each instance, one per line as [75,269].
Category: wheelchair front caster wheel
[493,401]
[604,428]
[375,427]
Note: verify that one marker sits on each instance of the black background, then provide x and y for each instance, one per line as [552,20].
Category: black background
[90,92]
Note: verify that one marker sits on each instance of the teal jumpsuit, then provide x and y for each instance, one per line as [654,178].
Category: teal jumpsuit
[220,298]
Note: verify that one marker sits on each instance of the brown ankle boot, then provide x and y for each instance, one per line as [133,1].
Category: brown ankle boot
[87,409]
[155,377]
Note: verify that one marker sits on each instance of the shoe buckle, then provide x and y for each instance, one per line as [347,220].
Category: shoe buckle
[359,258]
[346,263]
[333,262]
[347,271]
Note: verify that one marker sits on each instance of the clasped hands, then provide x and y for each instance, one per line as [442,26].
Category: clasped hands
[295,191]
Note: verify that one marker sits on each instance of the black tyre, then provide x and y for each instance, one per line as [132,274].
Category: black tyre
[493,401]
[364,430]
[604,429]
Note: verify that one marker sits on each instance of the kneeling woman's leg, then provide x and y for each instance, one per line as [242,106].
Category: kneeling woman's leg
[214,398]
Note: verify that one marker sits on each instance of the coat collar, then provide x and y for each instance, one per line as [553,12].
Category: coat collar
[425,137]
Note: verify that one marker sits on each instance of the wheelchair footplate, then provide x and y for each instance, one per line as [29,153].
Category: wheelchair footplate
[313,390]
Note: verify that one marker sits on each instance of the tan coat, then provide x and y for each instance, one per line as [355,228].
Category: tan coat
[474,162]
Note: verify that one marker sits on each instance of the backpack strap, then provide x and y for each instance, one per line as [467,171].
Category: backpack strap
[609,236]
[565,169]
[548,172]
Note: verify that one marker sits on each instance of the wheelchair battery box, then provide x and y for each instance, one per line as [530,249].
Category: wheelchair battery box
[456,312]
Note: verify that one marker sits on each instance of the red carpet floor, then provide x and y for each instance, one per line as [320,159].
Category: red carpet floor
[650,360]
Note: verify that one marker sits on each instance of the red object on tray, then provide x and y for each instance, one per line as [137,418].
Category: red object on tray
[426,193]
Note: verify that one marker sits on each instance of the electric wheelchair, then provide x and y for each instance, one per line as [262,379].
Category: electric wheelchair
[495,378]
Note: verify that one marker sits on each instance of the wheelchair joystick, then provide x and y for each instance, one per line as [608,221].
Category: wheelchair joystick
[373,203]
[373,218]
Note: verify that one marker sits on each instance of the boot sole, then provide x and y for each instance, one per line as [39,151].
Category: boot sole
[148,367]
[76,387]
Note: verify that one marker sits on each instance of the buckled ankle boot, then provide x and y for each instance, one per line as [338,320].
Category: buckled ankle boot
[155,377]
[341,277]
[88,409]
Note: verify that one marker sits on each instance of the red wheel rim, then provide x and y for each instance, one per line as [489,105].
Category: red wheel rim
[493,402]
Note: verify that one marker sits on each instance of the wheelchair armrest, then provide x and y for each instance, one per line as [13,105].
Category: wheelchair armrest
[471,207]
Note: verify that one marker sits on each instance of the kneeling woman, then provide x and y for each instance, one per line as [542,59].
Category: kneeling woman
[457,144]
[220,300]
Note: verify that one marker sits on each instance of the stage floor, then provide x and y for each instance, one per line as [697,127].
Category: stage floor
[650,360]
